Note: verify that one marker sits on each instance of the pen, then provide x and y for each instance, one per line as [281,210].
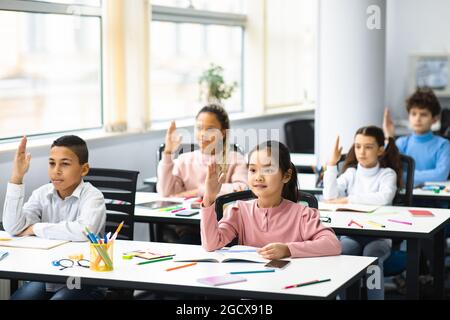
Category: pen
[236,250]
[177,210]
[183,266]
[306,283]
[376,224]
[252,271]
[399,221]
[155,260]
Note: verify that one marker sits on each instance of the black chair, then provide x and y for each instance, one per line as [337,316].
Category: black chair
[408,166]
[119,189]
[248,194]
[300,135]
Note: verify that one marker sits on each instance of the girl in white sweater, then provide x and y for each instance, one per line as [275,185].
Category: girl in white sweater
[371,175]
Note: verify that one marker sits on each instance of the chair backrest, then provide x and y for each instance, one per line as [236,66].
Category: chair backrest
[189,147]
[119,189]
[306,197]
[309,198]
[300,135]
[408,166]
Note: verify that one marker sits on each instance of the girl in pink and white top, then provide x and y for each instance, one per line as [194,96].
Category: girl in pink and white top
[274,222]
[185,176]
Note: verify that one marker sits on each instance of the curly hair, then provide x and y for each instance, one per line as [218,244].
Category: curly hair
[424,98]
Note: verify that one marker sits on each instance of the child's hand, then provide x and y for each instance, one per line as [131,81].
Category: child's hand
[274,251]
[388,124]
[21,162]
[173,140]
[338,201]
[213,183]
[336,153]
[27,232]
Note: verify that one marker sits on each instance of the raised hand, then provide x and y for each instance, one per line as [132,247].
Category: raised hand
[213,183]
[21,162]
[388,124]
[335,154]
[173,140]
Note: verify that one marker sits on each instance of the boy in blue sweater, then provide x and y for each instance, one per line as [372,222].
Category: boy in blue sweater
[430,152]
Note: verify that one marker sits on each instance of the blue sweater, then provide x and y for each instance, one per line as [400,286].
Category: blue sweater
[431,153]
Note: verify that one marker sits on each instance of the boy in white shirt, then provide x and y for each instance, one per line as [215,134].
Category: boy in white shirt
[57,210]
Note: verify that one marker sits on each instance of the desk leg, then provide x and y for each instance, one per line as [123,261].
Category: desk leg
[353,292]
[439,264]
[13,286]
[412,269]
[151,231]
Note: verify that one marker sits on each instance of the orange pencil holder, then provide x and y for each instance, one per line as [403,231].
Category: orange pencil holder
[101,256]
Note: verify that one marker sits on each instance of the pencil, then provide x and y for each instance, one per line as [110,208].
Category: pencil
[183,266]
[155,260]
[306,283]
[252,271]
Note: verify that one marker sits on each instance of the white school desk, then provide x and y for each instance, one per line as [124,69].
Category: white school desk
[307,183]
[345,272]
[421,228]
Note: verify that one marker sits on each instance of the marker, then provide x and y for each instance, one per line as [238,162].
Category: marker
[183,266]
[170,208]
[252,271]
[177,210]
[306,283]
[155,260]
[354,222]
[399,221]
[376,224]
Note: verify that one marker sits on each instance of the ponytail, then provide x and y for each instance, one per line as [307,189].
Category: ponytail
[391,159]
[290,188]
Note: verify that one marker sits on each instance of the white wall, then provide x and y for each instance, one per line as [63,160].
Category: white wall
[412,26]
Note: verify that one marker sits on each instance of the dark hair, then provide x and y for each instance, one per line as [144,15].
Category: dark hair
[75,144]
[390,157]
[290,189]
[222,117]
[219,112]
[424,98]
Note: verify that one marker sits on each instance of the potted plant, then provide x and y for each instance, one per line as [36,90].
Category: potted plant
[213,88]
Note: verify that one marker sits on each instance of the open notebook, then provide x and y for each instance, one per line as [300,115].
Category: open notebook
[233,254]
[30,242]
[347,207]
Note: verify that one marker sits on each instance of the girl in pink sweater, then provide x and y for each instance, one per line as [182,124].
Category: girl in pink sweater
[274,222]
[185,176]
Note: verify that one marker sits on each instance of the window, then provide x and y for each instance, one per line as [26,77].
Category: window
[184,42]
[50,67]
[291,51]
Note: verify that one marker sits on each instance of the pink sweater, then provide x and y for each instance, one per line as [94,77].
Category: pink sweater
[293,224]
[188,172]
